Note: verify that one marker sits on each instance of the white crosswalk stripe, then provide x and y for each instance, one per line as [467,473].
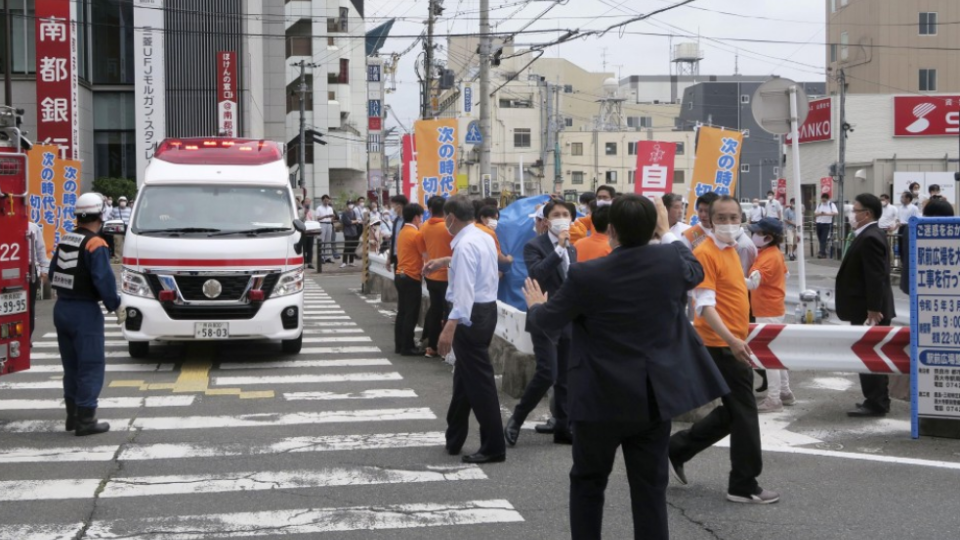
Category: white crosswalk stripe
[358,406]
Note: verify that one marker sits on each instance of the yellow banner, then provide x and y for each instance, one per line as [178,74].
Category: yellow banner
[54,188]
[463,182]
[717,166]
[436,142]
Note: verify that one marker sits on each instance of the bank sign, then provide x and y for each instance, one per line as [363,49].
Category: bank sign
[819,124]
[926,116]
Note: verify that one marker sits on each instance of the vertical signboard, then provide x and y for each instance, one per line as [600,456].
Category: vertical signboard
[408,163]
[57,84]
[375,114]
[934,319]
[826,186]
[654,176]
[716,167]
[227,93]
[149,79]
[54,185]
[781,191]
[436,158]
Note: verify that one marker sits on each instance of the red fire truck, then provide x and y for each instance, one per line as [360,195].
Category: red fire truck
[14,246]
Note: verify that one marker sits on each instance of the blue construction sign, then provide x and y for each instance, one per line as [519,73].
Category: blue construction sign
[473,134]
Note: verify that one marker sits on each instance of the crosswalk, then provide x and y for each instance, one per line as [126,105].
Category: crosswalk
[218,466]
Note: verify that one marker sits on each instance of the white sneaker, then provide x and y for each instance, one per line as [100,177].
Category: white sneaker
[768,405]
[788,399]
[762,496]
[343,265]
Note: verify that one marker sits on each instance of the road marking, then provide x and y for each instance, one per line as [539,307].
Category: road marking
[337,339]
[104,403]
[386,393]
[339,350]
[43,385]
[57,455]
[324,312]
[126,368]
[194,377]
[326,317]
[56,356]
[54,344]
[312,521]
[308,379]
[47,490]
[333,331]
[311,323]
[294,364]
[838,384]
[245,420]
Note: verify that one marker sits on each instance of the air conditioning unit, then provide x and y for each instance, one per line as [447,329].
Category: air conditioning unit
[516,187]
[474,190]
[531,187]
[494,187]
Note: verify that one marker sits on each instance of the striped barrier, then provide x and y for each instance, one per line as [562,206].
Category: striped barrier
[848,349]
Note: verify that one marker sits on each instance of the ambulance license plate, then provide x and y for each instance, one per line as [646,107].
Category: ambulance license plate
[13,302]
[211,330]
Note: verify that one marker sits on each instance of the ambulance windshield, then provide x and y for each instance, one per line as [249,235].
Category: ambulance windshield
[186,209]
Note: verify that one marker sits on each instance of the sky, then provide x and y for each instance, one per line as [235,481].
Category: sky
[800,22]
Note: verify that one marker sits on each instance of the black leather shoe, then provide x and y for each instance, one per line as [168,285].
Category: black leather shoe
[865,412]
[511,432]
[677,469]
[413,352]
[452,451]
[71,423]
[546,428]
[483,458]
[87,423]
[562,437]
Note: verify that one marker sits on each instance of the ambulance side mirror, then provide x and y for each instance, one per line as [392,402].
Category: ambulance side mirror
[113,227]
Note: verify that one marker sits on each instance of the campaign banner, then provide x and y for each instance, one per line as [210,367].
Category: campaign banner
[436,158]
[781,191]
[58,88]
[227,91]
[408,160]
[826,186]
[150,84]
[53,190]
[654,176]
[926,116]
[819,123]
[716,167]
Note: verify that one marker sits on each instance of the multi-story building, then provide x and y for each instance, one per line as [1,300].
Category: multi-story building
[893,46]
[671,88]
[111,48]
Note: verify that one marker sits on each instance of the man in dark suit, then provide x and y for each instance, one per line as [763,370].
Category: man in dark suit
[548,258]
[636,363]
[863,293]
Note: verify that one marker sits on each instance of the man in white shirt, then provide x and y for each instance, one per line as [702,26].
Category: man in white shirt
[905,211]
[326,216]
[823,217]
[774,209]
[674,204]
[888,221]
[39,267]
[757,212]
[472,293]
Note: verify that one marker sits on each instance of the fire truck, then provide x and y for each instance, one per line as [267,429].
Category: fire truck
[14,245]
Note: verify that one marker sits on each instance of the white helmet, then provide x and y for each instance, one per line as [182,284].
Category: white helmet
[89,205]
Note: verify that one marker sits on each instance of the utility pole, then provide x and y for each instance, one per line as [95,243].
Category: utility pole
[842,158]
[485,46]
[8,45]
[426,108]
[302,153]
[557,173]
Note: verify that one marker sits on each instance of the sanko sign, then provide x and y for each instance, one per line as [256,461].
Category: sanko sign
[819,124]
[926,116]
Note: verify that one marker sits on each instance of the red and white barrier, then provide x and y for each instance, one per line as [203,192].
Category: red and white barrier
[850,349]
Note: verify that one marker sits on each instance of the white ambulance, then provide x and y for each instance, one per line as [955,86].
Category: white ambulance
[213,247]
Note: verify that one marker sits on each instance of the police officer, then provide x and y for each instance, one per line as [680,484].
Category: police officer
[81,274]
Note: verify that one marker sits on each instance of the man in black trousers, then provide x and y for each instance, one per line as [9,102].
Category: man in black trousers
[636,363]
[863,293]
[548,258]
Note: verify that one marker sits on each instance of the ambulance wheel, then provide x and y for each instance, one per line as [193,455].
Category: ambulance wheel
[138,349]
[292,346]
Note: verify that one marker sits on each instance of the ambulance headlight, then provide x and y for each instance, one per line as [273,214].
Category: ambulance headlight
[290,283]
[135,284]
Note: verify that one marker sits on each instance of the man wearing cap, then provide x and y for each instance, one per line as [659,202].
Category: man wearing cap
[81,274]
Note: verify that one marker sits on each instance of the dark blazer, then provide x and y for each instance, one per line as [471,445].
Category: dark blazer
[350,223]
[863,281]
[631,333]
[544,264]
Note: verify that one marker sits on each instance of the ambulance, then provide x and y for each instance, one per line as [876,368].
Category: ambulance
[212,250]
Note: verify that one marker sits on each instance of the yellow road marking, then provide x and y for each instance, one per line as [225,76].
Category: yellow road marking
[194,378]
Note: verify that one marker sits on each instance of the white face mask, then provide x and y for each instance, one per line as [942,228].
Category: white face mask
[350,206]
[559,225]
[727,233]
[603,203]
[760,241]
[852,218]
[123,204]
[492,224]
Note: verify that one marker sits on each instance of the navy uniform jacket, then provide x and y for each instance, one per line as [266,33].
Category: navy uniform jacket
[631,334]
[95,257]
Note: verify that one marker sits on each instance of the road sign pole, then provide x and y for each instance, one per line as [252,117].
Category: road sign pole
[797,180]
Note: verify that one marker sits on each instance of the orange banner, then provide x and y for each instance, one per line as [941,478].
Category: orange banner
[717,166]
[54,188]
[436,142]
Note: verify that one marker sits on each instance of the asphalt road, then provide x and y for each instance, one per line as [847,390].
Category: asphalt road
[345,441]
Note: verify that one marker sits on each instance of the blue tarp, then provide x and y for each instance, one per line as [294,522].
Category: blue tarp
[514,230]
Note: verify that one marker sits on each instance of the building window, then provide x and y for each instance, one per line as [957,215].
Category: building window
[568,89]
[844,42]
[637,122]
[745,99]
[745,168]
[114,135]
[833,52]
[516,103]
[632,149]
[568,122]
[928,80]
[333,25]
[331,96]
[23,35]
[521,138]
[344,15]
[611,177]
[610,149]
[577,177]
[112,42]
[576,149]
[928,23]
[293,94]
[631,177]
[679,177]
[344,76]
[293,154]
[681,148]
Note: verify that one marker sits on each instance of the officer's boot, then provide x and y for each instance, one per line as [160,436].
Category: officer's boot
[87,422]
[71,414]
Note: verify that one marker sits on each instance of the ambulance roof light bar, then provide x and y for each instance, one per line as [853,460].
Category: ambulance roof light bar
[218,151]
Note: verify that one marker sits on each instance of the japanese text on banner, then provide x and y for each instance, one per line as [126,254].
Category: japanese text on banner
[54,188]
[717,166]
[436,158]
[655,162]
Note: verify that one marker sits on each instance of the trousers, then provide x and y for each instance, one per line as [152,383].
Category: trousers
[875,386]
[736,417]
[432,323]
[823,235]
[80,337]
[409,293]
[474,388]
[326,248]
[552,352]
